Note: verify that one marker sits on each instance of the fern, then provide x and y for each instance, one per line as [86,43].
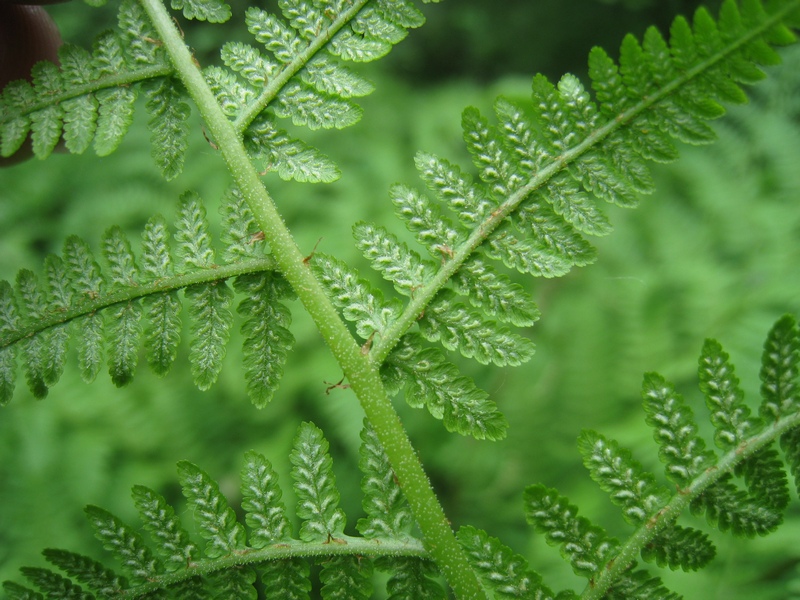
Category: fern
[233,553]
[90,98]
[542,168]
[102,308]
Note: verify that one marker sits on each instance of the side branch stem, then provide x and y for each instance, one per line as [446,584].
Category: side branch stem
[362,375]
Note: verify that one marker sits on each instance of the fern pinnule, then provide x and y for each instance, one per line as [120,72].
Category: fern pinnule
[433,382]
[236,555]
[101,309]
[213,11]
[505,573]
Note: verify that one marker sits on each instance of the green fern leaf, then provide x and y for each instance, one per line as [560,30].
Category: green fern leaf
[679,547]
[55,585]
[355,296]
[195,249]
[46,124]
[765,479]
[18,592]
[124,543]
[454,187]
[95,576]
[505,573]
[330,77]
[115,115]
[411,579]
[213,11]
[210,313]
[457,327]
[615,470]
[163,331]
[640,585]
[35,350]
[346,577]
[168,126]
[675,431]
[388,514]
[88,283]
[523,256]
[290,158]
[392,258]
[216,520]
[261,499]
[75,300]
[231,567]
[730,509]
[9,323]
[790,444]
[587,547]
[240,235]
[17,95]
[779,370]
[426,221]
[138,35]
[125,329]
[302,80]
[495,293]
[571,203]
[436,384]
[724,398]
[268,340]
[80,114]
[164,527]
[314,484]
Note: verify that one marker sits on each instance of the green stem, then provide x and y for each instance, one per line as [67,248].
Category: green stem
[362,375]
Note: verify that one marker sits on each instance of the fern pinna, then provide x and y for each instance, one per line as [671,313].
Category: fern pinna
[540,169]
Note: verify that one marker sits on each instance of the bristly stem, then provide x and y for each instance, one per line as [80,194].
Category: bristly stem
[361,374]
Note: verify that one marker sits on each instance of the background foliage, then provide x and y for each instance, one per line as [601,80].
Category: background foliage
[724,267]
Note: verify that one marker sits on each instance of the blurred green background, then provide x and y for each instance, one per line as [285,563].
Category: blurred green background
[713,253]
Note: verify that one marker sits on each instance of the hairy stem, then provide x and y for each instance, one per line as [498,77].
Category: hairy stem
[361,373]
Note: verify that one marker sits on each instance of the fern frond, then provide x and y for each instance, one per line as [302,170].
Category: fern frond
[90,98]
[544,169]
[239,557]
[101,308]
[705,483]
[299,74]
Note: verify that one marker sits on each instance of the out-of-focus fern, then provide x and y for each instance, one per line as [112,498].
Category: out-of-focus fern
[90,98]
[233,555]
[101,309]
[702,481]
